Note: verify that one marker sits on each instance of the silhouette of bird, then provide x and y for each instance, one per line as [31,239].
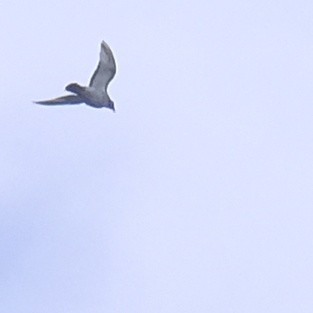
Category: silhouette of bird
[94,95]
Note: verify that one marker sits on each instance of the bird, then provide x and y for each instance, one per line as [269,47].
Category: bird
[94,95]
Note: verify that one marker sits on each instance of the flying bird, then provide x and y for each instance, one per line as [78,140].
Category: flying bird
[94,95]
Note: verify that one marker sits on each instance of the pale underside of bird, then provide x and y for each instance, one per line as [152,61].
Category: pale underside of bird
[94,95]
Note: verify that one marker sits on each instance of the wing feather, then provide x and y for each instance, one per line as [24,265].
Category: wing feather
[106,69]
[71,99]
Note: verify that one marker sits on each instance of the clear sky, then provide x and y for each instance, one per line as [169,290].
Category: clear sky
[195,196]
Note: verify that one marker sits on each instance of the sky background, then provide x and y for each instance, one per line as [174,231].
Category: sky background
[195,196]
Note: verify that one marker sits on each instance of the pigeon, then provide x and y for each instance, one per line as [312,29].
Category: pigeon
[94,95]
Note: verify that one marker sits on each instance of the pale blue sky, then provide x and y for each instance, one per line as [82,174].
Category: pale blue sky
[196,196]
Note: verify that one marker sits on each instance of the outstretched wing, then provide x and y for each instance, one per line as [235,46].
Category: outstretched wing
[71,99]
[106,69]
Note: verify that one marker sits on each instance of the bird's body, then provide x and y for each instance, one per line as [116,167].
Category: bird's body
[94,95]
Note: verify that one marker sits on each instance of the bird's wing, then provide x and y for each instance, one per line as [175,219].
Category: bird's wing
[71,99]
[106,69]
